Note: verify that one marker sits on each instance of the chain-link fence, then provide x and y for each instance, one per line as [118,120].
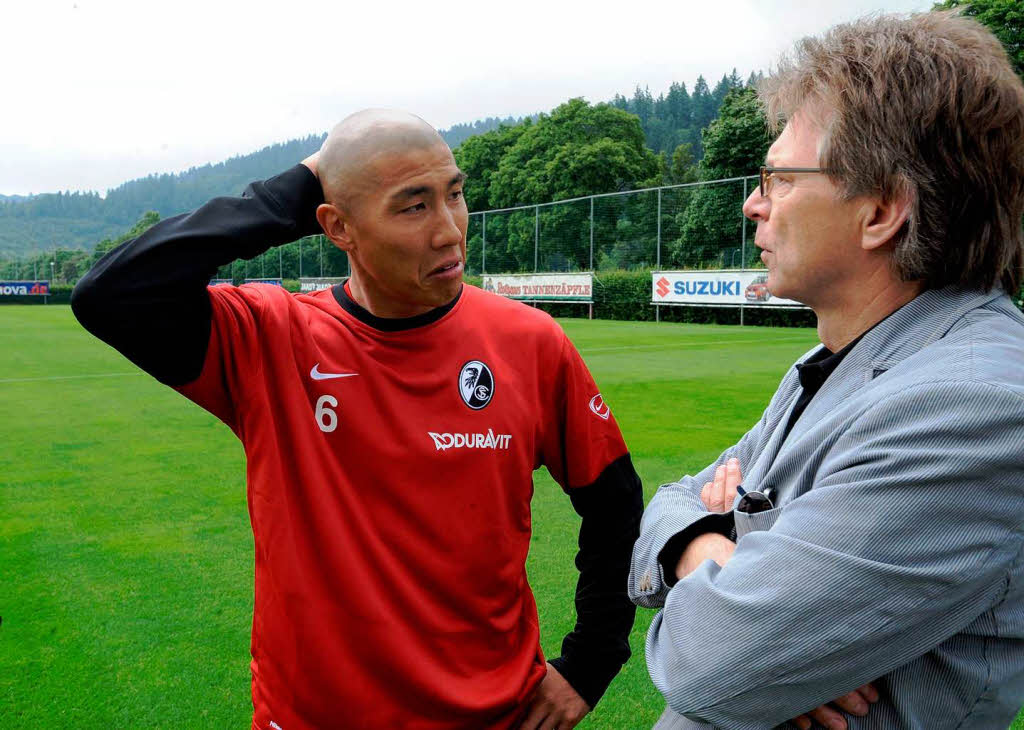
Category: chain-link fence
[313,256]
[690,226]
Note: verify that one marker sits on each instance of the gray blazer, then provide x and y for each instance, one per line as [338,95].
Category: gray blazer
[894,553]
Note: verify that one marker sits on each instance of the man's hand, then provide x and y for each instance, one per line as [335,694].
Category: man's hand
[856,703]
[311,162]
[719,495]
[555,706]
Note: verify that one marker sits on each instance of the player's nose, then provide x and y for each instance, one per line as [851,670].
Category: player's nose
[446,231]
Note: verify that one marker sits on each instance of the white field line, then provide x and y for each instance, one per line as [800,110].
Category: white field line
[67,377]
[689,346]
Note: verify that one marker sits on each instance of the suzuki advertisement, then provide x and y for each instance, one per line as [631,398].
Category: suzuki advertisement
[734,287]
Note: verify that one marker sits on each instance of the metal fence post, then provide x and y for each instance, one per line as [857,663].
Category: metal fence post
[300,258]
[657,309]
[591,233]
[659,228]
[483,247]
[321,257]
[536,236]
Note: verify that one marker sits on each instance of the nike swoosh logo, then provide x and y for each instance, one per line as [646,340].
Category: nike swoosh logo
[317,375]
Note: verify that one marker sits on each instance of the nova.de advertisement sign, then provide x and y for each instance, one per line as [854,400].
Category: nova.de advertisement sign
[24,288]
[733,288]
[274,282]
[542,287]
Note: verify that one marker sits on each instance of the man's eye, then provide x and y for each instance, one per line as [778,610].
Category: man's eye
[415,208]
[456,194]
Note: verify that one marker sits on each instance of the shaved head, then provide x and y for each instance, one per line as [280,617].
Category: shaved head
[394,205]
[349,165]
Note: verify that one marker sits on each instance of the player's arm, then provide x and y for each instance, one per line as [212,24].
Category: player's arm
[148,297]
[597,647]
[584,451]
[907,536]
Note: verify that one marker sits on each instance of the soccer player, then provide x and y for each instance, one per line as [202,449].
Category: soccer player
[391,427]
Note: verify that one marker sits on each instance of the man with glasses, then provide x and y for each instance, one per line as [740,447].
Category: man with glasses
[869,528]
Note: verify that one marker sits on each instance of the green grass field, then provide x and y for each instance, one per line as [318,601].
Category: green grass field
[125,550]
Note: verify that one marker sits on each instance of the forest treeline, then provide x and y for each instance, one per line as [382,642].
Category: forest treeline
[78,220]
[575,150]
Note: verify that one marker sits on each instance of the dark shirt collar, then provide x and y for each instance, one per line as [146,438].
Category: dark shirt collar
[386,324]
[814,371]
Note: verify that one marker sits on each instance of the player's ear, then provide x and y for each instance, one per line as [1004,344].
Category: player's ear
[336,226]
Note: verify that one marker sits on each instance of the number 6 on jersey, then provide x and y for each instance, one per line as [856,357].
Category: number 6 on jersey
[326,419]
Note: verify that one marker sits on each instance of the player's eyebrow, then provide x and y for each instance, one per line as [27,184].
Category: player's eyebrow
[412,192]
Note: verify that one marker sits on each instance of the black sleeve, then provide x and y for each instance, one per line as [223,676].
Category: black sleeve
[724,523]
[147,298]
[595,650]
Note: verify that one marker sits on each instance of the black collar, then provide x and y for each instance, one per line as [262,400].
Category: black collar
[387,324]
[814,371]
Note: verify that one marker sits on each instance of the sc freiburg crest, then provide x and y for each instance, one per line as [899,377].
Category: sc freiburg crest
[476,384]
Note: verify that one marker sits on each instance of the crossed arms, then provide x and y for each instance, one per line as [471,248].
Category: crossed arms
[904,539]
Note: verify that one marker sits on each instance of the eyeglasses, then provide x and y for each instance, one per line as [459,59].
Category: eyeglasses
[754,502]
[767,172]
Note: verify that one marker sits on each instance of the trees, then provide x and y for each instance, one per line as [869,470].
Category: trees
[736,142]
[576,150]
[141,226]
[683,168]
[703,104]
[478,157]
[734,146]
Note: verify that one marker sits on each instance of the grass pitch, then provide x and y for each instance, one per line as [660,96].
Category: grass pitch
[125,551]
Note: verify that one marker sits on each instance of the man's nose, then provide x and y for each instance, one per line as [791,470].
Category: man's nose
[447,231]
[756,207]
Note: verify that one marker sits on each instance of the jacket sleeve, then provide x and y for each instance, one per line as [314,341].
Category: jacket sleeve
[676,514]
[148,297]
[585,453]
[908,535]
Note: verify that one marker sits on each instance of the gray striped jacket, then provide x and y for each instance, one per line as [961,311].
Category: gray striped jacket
[894,553]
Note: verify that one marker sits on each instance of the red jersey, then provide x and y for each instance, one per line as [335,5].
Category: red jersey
[389,484]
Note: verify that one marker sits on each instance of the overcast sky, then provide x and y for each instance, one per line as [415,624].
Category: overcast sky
[97,92]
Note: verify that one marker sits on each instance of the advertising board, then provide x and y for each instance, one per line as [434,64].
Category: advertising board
[310,284]
[24,288]
[542,287]
[736,287]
